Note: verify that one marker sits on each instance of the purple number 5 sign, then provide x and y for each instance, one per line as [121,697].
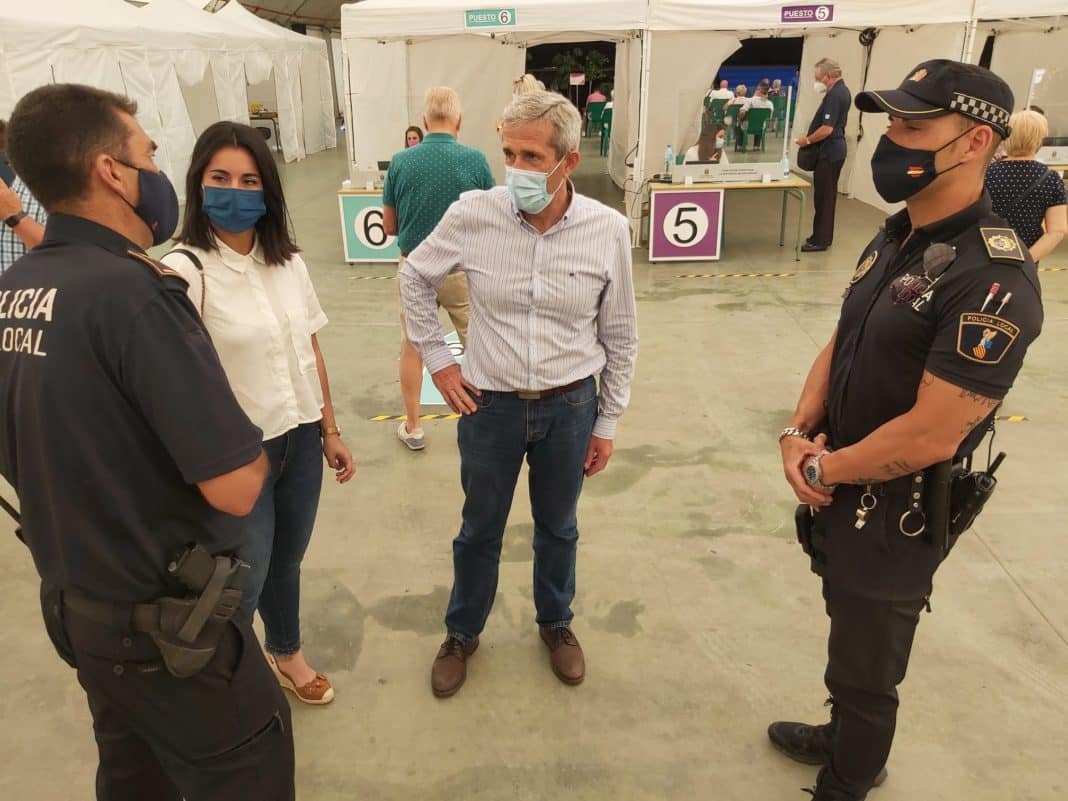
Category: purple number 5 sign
[685,226]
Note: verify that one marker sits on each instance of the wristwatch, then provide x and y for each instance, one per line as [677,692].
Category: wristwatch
[814,473]
[326,432]
[14,219]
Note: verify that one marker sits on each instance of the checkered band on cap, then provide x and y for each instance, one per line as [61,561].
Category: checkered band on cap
[982,110]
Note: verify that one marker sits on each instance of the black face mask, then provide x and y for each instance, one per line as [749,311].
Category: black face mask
[900,172]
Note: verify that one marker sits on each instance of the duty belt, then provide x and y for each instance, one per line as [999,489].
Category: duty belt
[140,618]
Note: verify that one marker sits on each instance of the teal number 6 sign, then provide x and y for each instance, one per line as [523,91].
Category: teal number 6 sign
[363,229]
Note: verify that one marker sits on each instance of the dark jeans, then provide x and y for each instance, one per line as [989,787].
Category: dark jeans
[553,435]
[279,529]
[221,735]
[868,653]
[824,198]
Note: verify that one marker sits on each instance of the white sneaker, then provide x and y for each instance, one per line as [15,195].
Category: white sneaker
[413,439]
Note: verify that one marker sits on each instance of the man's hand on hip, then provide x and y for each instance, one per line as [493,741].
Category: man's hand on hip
[795,451]
[455,390]
[598,453]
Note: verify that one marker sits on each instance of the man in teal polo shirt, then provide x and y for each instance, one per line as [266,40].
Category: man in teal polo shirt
[421,184]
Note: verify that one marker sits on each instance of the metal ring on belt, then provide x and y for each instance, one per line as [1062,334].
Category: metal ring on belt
[915,508]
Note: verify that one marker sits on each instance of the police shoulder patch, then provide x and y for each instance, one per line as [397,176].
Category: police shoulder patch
[985,338]
[159,268]
[1002,243]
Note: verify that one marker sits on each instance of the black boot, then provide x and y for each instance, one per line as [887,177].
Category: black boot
[809,745]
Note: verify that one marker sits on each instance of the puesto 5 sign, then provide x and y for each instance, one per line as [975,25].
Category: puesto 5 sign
[806,15]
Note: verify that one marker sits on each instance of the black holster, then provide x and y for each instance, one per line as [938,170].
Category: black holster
[190,627]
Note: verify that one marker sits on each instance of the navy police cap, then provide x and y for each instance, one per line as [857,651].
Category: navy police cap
[941,86]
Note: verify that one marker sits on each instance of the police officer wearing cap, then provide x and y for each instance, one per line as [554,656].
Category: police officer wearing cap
[131,458]
[934,327]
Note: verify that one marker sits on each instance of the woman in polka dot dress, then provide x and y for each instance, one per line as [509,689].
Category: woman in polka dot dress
[1025,192]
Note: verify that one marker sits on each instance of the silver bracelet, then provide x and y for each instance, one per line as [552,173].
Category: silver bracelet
[793,432]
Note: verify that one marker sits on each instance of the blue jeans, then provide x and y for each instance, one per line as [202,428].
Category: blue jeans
[278,531]
[553,435]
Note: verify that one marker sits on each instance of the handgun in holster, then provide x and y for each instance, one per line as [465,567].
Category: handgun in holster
[190,627]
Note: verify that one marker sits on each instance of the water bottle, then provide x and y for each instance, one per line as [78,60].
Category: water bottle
[669,159]
[786,166]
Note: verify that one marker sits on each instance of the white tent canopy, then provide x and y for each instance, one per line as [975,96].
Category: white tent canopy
[396,49]
[170,57]
[766,15]
[667,52]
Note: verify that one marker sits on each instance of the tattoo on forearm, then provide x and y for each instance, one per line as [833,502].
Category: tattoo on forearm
[968,427]
[989,403]
[898,468]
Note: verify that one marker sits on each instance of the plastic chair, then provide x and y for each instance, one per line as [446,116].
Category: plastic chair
[594,112]
[606,130]
[713,114]
[779,114]
[756,123]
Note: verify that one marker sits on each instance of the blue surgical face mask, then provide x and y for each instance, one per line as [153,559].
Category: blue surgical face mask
[158,203]
[528,188]
[234,210]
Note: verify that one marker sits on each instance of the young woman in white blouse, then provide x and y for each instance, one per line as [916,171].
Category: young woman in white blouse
[257,301]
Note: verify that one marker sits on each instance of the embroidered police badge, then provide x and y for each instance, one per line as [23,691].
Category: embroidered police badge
[984,338]
[865,266]
[1002,243]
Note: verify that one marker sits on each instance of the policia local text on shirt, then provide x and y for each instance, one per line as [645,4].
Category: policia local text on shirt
[125,444]
[934,327]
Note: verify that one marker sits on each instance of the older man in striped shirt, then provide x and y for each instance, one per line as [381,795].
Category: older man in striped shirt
[552,305]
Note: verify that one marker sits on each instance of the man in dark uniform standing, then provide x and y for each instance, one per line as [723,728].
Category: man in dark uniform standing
[828,132]
[125,444]
[933,330]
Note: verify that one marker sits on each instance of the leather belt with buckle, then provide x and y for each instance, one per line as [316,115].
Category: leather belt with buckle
[542,394]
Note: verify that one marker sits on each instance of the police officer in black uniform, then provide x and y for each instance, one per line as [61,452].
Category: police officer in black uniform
[126,446]
[934,327]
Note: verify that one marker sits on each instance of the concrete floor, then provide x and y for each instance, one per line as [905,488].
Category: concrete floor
[699,616]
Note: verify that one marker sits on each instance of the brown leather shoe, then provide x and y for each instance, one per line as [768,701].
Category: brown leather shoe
[450,666]
[565,654]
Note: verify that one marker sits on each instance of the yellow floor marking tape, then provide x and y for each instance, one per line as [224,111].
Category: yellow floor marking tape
[738,275]
[385,418]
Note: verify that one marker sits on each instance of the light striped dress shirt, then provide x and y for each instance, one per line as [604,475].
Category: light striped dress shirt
[546,309]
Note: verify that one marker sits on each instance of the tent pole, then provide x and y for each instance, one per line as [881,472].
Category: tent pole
[969,39]
[643,129]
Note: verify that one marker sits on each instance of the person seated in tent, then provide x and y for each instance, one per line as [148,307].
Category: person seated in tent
[733,106]
[709,147]
[413,136]
[596,96]
[776,88]
[758,100]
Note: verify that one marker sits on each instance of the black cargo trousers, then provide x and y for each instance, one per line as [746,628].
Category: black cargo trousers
[222,735]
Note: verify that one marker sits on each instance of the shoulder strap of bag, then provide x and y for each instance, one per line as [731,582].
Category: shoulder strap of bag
[1032,186]
[200,268]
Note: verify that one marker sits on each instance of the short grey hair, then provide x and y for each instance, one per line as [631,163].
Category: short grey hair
[553,108]
[526,83]
[441,104]
[829,68]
